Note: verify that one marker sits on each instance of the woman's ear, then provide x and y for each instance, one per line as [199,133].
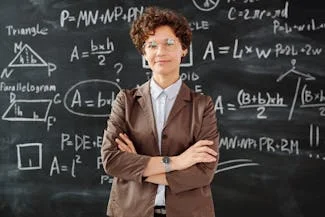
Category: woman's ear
[184,52]
[145,56]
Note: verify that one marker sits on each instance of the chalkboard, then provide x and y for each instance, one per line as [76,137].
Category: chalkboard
[63,62]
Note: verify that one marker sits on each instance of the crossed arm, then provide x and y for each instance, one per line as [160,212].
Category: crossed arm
[154,171]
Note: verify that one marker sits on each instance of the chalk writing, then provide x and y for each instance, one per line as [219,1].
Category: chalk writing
[78,101]
[27,87]
[265,144]
[284,27]
[80,142]
[258,14]
[89,17]
[57,167]
[313,99]
[277,51]
[99,50]
[26,31]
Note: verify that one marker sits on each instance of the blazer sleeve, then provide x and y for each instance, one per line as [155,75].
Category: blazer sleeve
[200,174]
[128,166]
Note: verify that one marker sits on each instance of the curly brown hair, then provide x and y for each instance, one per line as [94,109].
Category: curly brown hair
[154,17]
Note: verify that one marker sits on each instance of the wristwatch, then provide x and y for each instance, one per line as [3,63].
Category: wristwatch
[166,161]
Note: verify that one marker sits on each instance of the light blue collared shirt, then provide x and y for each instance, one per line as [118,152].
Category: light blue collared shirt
[162,102]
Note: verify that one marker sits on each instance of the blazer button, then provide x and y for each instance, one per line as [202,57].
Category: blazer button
[164,136]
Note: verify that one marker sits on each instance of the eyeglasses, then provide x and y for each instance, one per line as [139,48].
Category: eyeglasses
[169,45]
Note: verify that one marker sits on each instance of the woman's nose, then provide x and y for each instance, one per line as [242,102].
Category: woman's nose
[161,50]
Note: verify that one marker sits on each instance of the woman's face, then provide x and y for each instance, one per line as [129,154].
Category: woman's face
[163,51]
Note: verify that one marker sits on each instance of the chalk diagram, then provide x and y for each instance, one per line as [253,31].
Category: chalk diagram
[27,57]
[300,75]
[29,156]
[234,164]
[28,110]
[205,5]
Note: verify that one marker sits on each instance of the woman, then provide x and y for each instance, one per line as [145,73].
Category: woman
[161,141]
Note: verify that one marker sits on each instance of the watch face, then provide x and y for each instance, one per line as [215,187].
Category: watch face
[165,160]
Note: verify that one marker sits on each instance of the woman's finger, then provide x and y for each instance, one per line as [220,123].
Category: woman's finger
[204,158]
[131,144]
[128,142]
[208,150]
[122,146]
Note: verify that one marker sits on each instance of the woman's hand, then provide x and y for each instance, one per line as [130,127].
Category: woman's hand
[125,144]
[200,152]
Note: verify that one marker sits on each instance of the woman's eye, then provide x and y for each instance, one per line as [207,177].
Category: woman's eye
[152,45]
[170,42]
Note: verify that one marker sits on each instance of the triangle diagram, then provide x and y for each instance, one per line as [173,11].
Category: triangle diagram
[27,57]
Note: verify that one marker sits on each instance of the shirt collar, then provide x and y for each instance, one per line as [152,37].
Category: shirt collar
[171,91]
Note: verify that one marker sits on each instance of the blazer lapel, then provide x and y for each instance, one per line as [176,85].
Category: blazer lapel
[183,97]
[144,99]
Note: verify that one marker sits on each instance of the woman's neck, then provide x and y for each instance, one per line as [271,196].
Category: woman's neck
[165,81]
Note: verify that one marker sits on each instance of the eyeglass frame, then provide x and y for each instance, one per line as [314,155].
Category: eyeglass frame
[168,42]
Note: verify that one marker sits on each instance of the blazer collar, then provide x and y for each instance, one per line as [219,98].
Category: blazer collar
[171,91]
[144,99]
[184,92]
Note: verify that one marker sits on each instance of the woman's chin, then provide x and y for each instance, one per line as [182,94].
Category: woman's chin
[164,72]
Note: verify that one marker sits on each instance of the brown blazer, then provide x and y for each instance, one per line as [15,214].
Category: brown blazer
[191,119]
